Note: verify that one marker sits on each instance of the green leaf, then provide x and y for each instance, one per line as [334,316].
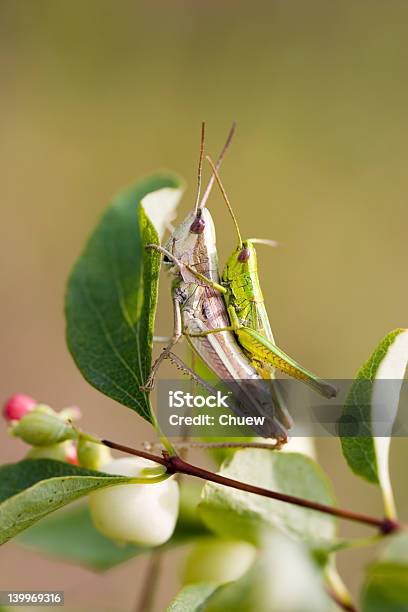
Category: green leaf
[246,516]
[31,489]
[282,579]
[386,586]
[112,294]
[192,598]
[70,535]
[367,454]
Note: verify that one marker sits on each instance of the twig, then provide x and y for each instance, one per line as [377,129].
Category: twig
[175,464]
[205,445]
[145,602]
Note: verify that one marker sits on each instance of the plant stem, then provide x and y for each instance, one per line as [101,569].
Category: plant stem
[207,445]
[337,589]
[344,605]
[175,464]
[145,603]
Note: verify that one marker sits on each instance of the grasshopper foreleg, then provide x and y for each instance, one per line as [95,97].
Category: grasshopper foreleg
[210,331]
[184,268]
[235,326]
[177,333]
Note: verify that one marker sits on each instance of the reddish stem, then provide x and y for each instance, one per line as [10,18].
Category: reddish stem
[175,464]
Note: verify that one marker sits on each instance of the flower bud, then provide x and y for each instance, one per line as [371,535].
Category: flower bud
[72,455]
[45,409]
[41,428]
[91,455]
[60,452]
[18,406]
[143,514]
[218,560]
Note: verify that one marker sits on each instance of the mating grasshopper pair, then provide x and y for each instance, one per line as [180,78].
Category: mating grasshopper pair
[226,323]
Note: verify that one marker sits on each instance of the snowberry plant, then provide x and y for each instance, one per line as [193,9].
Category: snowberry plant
[263,525]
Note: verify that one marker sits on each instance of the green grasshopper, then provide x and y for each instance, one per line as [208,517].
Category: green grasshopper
[248,316]
[199,309]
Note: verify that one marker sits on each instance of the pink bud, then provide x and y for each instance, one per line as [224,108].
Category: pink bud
[72,455]
[18,406]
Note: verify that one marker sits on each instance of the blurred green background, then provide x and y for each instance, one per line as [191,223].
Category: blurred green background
[96,94]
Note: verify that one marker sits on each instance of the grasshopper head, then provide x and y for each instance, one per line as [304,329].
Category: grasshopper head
[243,261]
[193,242]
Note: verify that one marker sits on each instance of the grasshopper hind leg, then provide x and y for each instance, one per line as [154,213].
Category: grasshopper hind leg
[266,352]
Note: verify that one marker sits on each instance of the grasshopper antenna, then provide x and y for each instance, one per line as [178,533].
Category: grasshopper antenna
[218,164]
[200,167]
[271,243]
[224,195]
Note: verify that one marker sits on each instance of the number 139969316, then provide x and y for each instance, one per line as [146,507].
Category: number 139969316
[31,598]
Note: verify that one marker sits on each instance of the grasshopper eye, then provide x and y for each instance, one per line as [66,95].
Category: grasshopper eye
[166,259]
[244,255]
[198,225]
